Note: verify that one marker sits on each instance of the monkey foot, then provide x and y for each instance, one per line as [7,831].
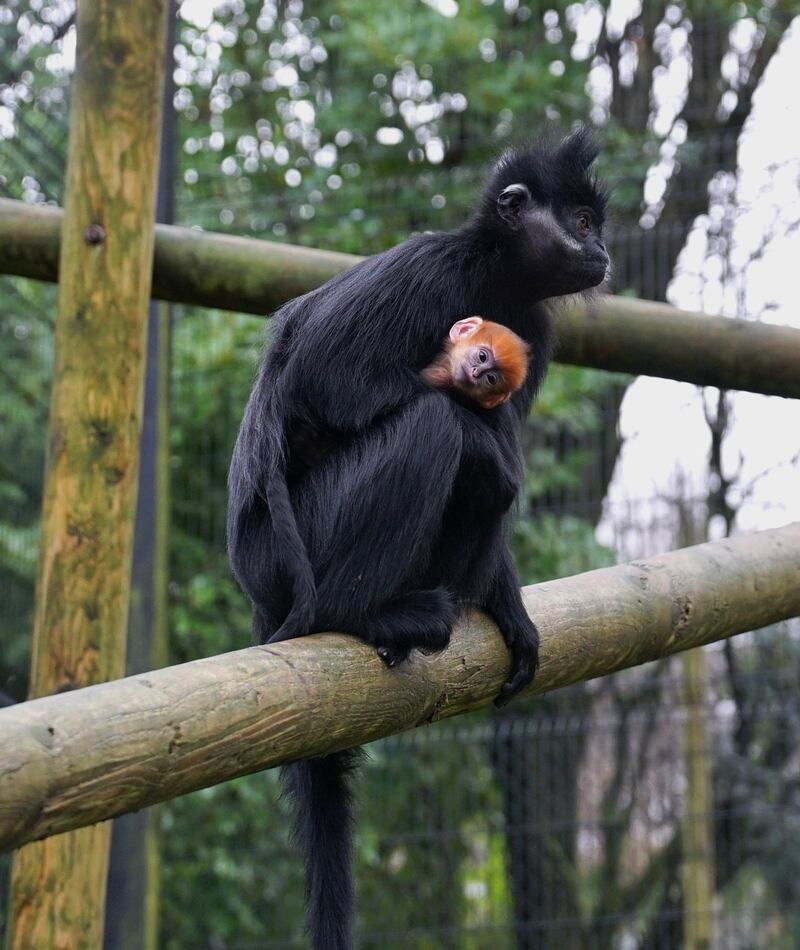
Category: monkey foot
[391,656]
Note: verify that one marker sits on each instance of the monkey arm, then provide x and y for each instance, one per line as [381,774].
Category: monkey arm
[491,450]
[370,514]
[338,411]
[490,456]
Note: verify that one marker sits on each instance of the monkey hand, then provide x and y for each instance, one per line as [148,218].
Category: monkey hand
[523,644]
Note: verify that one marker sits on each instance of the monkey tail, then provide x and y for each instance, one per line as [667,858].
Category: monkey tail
[294,556]
[320,790]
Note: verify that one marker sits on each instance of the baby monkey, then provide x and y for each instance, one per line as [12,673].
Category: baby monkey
[483,361]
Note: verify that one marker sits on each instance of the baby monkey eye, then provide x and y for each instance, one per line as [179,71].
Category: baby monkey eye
[584,220]
[483,356]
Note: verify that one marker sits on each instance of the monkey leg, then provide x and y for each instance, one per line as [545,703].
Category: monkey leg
[369,517]
[421,619]
[257,567]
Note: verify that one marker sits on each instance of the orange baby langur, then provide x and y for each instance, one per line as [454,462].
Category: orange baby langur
[484,361]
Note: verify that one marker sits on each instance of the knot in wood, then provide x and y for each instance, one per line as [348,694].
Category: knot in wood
[94,234]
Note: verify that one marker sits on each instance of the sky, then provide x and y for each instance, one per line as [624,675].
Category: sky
[666,438]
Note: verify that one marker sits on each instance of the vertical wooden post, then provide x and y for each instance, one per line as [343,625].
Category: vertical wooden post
[81,610]
[697,834]
[697,822]
[134,871]
[132,891]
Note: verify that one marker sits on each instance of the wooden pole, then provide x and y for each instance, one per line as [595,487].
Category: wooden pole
[81,606]
[612,333]
[82,757]
[697,825]
[189,266]
[697,820]
[134,873]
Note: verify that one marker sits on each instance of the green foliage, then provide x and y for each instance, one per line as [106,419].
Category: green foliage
[557,546]
[280,108]
[315,114]
[25,368]
[227,867]
[213,366]
[437,847]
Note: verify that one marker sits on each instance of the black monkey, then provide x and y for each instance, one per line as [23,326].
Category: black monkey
[363,501]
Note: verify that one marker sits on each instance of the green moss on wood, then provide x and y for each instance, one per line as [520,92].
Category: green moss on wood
[82,757]
[612,333]
[105,263]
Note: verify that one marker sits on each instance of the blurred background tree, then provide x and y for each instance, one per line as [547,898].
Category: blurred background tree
[350,126]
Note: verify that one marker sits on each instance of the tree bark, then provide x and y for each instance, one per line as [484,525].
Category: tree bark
[81,603]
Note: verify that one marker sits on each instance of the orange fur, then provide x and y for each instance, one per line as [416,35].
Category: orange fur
[511,352]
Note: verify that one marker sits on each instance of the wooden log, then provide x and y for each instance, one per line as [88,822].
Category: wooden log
[190,266]
[86,756]
[611,333]
[654,339]
[697,820]
[81,602]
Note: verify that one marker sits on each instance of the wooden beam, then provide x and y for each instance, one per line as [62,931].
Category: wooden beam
[81,602]
[189,266]
[86,756]
[654,339]
[134,869]
[611,333]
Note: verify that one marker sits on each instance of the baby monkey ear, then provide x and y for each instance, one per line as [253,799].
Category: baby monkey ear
[464,328]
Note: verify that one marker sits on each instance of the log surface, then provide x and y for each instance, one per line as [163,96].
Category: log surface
[611,333]
[86,756]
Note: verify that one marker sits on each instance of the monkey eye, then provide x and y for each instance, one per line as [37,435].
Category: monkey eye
[491,379]
[584,220]
[483,356]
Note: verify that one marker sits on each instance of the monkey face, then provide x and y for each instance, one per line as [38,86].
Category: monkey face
[565,248]
[552,210]
[480,377]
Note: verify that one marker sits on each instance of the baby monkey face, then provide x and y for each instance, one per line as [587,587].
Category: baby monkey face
[485,361]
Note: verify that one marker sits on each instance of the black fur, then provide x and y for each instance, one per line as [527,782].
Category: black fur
[325,829]
[363,501]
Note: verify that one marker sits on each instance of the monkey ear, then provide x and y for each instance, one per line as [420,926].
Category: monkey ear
[511,201]
[464,328]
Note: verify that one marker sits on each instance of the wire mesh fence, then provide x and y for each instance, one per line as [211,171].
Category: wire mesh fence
[657,809]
